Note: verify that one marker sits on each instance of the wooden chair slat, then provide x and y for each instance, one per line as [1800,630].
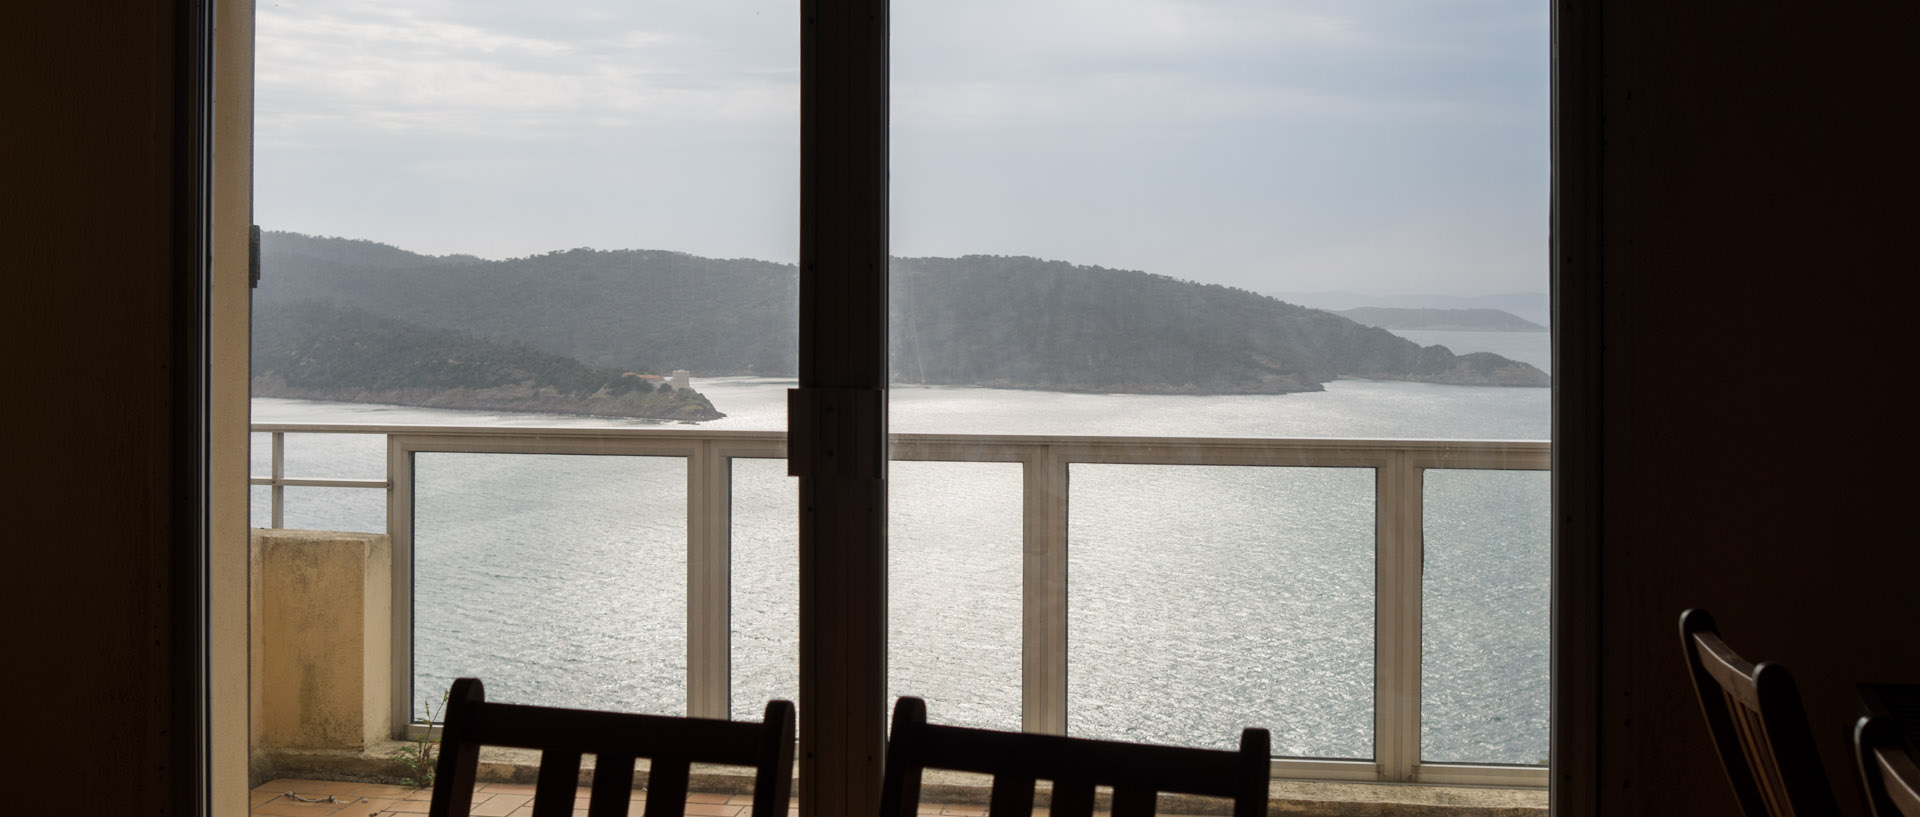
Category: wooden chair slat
[1071,763]
[1072,799]
[612,785]
[1256,770]
[1054,757]
[666,787]
[559,778]
[1754,715]
[535,727]
[1733,673]
[1012,796]
[1902,777]
[1134,801]
[773,773]
[453,774]
[1887,768]
[616,739]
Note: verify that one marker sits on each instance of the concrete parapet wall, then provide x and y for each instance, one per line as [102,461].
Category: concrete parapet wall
[322,634]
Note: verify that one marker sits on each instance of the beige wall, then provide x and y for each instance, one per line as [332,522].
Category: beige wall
[323,635]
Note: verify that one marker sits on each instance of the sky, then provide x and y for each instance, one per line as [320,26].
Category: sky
[1379,146]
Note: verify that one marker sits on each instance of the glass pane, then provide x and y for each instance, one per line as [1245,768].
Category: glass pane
[766,586]
[1220,218]
[321,456]
[361,510]
[1205,599]
[953,596]
[336,456]
[1139,201]
[559,580]
[534,216]
[1483,680]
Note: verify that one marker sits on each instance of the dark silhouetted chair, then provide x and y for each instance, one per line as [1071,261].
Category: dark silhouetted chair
[616,739]
[1136,772]
[1758,725]
[1887,768]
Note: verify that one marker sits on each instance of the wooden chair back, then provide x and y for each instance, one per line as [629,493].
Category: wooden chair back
[1887,768]
[1758,726]
[617,740]
[1136,772]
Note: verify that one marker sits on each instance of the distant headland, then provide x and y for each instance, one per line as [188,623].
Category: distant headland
[1000,321]
[1450,320]
[322,351]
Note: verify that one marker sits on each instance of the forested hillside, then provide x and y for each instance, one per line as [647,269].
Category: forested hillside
[1026,323]
[319,350]
[983,320]
[632,309]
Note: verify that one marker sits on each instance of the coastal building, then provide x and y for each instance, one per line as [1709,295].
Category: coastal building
[1706,149]
[681,379]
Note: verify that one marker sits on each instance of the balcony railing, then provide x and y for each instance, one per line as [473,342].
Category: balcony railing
[1398,468]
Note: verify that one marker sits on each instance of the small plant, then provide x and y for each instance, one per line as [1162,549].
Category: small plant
[417,756]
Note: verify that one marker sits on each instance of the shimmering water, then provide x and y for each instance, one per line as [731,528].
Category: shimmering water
[1201,599]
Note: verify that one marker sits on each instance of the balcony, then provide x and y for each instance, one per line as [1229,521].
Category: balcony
[721,476]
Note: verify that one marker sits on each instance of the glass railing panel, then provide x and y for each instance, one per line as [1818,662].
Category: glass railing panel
[320,456]
[260,453]
[360,510]
[558,580]
[765,603]
[1205,599]
[1483,682]
[954,589]
[335,456]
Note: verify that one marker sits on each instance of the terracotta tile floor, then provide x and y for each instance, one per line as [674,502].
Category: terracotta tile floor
[294,798]
[289,797]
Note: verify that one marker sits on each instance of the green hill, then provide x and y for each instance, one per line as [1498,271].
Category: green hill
[983,320]
[1027,323]
[319,350]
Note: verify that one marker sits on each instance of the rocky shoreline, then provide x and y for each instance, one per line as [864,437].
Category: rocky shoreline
[681,405]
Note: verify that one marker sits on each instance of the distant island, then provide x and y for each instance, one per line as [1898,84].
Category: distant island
[1452,320]
[317,350]
[1000,321]
[1532,306]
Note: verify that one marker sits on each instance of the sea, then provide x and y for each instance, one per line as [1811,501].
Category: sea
[1201,599]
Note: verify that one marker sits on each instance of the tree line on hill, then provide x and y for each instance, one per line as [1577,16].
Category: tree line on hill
[320,350]
[1006,321]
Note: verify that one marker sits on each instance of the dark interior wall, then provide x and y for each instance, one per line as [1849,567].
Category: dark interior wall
[87,211]
[1759,190]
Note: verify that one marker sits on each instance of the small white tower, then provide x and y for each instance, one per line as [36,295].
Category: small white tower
[680,378]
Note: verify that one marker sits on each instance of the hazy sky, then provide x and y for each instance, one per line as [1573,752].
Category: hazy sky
[1386,146]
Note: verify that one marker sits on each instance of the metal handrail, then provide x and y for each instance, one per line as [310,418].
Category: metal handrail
[1398,465]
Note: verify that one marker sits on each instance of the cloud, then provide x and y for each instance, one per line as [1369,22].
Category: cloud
[403,68]
[1220,140]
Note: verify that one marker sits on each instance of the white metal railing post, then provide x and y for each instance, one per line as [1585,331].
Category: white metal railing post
[400,537]
[279,491]
[1413,568]
[1043,649]
[1396,743]
[709,573]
